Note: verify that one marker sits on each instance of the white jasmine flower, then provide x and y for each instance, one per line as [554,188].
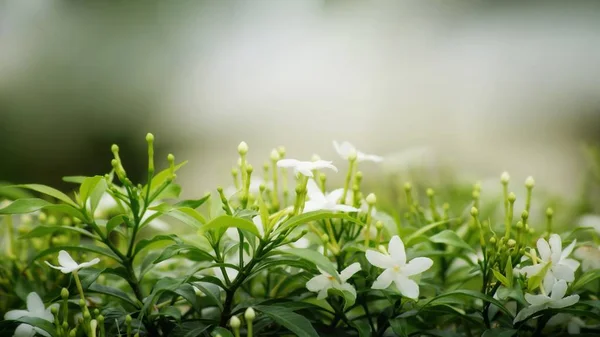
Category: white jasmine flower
[35,308]
[306,167]
[323,282]
[556,300]
[574,323]
[319,201]
[68,265]
[589,256]
[555,262]
[397,269]
[345,149]
[590,220]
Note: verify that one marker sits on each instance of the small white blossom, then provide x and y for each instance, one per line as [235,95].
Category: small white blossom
[323,282]
[305,167]
[345,150]
[574,323]
[589,256]
[556,300]
[319,201]
[554,261]
[68,265]
[35,308]
[397,269]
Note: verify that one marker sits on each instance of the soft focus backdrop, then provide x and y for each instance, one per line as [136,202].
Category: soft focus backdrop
[473,85]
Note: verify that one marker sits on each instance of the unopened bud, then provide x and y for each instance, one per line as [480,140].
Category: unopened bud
[114,148]
[407,187]
[474,211]
[371,199]
[525,215]
[315,157]
[274,155]
[281,151]
[54,310]
[249,168]
[549,212]
[249,315]
[127,319]
[352,155]
[382,249]
[529,182]
[512,197]
[511,243]
[242,148]
[519,225]
[430,192]
[379,225]
[42,217]
[324,238]
[493,240]
[64,293]
[235,322]
[504,178]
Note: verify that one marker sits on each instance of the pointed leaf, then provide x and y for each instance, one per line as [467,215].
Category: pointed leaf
[313,216]
[314,257]
[297,324]
[226,221]
[49,191]
[21,206]
[450,238]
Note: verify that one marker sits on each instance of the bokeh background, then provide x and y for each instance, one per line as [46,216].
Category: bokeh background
[478,86]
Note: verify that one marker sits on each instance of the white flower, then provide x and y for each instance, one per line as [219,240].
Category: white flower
[590,220]
[319,201]
[574,323]
[589,256]
[345,149]
[322,283]
[35,308]
[68,265]
[306,167]
[397,269]
[555,262]
[540,302]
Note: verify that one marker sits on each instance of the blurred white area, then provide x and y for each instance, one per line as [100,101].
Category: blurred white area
[483,87]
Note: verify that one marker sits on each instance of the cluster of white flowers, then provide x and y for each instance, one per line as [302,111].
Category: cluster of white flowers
[555,268]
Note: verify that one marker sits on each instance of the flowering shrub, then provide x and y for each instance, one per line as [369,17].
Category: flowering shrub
[285,254]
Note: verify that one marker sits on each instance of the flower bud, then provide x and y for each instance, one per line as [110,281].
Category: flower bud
[512,197]
[519,225]
[249,169]
[100,319]
[67,222]
[476,194]
[42,217]
[149,137]
[371,199]
[407,187]
[511,243]
[324,238]
[114,148]
[52,220]
[529,182]
[249,315]
[127,319]
[430,192]
[281,150]
[549,212]
[525,215]
[504,178]
[64,293]
[531,231]
[93,327]
[493,240]
[379,225]
[242,148]
[352,155]
[382,249]
[274,155]
[474,211]
[54,310]
[315,157]
[235,322]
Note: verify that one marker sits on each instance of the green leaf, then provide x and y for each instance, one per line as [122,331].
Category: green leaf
[450,238]
[501,277]
[86,188]
[114,222]
[313,216]
[363,328]
[191,252]
[424,230]
[39,323]
[162,177]
[193,203]
[21,206]
[100,289]
[586,278]
[473,294]
[82,248]
[49,191]
[314,257]
[221,331]
[45,230]
[225,221]
[536,280]
[508,270]
[499,332]
[212,292]
[297,324]
[66,209]
[146,242]
[188,216]
[89,276]
[74,179]
[349,298]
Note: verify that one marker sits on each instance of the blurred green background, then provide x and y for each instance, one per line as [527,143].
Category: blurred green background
[478,86]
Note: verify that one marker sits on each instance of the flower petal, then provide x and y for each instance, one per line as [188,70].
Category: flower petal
[259,225]
[65,260]
[322,294]
[567,251]
[314,192]
[549,280]
[565,302]
[287,163]
[349,288]
[369,157]
[349,271]
[558,290]
[573,264]
[530,271]
[544,249]
[537,299]
[526,312]
[407,287]
[14,314]
[379,260]
[305,171]
[312,205]
[384,280]
[24,330]
[90,263]
[563,272]
[555,247]
[318,283]
[62,269]
[335,195]
[417,266]
[35,304]
[344,149]
[320,164]
[396,249]
[345,208]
